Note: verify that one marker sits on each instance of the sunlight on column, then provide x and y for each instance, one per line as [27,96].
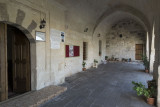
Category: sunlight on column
[152,56]
[147,45]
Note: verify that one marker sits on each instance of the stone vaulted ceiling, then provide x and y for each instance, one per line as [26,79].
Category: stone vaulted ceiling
[91,13]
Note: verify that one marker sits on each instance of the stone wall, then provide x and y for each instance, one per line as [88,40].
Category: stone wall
[49,66]
[123,37]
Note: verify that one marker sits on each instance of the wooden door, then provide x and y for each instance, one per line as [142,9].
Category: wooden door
[139,51]
[21,62]
[3,62]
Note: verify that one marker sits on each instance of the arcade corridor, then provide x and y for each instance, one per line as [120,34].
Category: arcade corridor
[45,46]
[108,86]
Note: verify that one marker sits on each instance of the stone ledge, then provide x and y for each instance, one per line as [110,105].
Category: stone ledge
[34,99]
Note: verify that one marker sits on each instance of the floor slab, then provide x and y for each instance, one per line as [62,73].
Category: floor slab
[107,86]
[34,99]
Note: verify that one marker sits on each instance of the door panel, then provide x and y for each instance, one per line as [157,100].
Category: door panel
[21,63]
[3,62]
[139,51]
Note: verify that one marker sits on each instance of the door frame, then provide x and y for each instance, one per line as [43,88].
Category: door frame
[3,63]
[136,50]
[32,57]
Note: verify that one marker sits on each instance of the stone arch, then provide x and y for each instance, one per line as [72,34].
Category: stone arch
[129,10]
[123,8]
[32,52]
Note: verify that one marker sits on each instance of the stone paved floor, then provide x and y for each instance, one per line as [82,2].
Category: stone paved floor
[108,86]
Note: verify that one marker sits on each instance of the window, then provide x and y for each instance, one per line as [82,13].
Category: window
[84,50]
[100,47]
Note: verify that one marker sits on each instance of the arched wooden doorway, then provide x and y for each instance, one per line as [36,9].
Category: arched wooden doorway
[15,70]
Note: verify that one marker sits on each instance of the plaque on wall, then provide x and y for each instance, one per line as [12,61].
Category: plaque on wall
[40,36]
[72,51]
[56,38]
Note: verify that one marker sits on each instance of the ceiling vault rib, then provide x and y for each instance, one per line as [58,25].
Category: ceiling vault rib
[123,8]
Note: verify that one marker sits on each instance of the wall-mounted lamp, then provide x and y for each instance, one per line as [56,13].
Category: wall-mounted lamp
[86,29]
[99,35]
[42,24]
[120,35]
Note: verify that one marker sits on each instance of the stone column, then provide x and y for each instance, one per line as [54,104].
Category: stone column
[152,55]
[156,61]
[147,45]
[156,69]
[157,49]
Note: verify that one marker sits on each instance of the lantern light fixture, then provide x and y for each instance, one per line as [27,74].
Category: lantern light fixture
[42,24]
[86,29]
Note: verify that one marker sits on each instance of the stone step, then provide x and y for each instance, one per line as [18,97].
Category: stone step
[35,98]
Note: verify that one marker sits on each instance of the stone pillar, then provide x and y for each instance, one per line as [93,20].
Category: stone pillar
[156,61]
[158,89]
[147,45]
[156,72]
[157,48]
[156,69]
[152,55]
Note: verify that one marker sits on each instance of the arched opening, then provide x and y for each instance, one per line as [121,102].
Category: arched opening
[124,8]
[18,60]
[125,36]
[126,41]
[17,65]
